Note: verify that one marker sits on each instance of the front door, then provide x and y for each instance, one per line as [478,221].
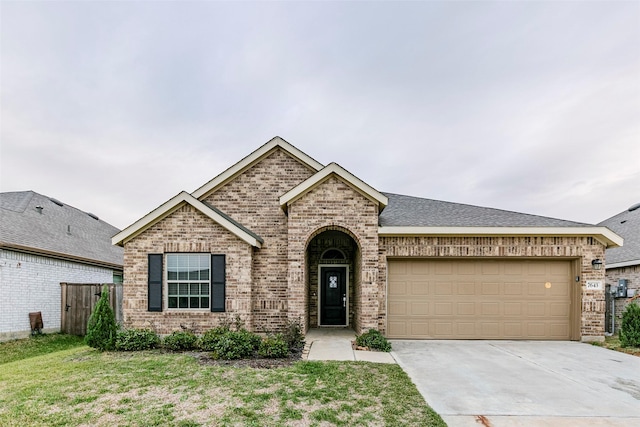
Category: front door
[333,295]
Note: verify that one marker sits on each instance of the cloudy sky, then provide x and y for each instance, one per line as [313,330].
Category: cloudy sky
[115,107]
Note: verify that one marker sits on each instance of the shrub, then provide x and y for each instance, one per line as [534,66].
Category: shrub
[273,347]
[211,337]
[136,339]
[630,329]
[181,340]
[293,335]
[102,327]
[374,340]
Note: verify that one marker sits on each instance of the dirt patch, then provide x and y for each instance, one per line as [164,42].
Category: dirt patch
[255,362]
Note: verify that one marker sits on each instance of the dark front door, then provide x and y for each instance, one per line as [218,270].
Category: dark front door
[333,290]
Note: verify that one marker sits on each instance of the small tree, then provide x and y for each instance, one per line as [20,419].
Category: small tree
[102,327]
[630,329]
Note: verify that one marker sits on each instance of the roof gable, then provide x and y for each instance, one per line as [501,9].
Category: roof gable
[175,203]
[251,160]
[321,176]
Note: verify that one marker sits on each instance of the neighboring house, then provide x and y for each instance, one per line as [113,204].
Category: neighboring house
[44,242]
[623,263]
[279,237]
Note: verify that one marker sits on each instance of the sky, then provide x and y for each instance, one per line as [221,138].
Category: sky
[114,107]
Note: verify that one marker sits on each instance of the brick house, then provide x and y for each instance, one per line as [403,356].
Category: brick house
[44,242]
[279,237]
[623,263]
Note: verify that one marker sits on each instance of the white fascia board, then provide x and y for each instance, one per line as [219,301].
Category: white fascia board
[333,168]
[251,159]
[622,264]
[603,234]
[170,206]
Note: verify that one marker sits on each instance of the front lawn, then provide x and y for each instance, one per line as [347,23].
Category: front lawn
[81,386]
[36,346]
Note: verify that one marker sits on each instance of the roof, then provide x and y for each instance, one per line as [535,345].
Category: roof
[333,169]
[627,225]
[56,230]
[407,215]
[252,159]
[174,204]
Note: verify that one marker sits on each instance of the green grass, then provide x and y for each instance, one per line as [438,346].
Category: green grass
[613,343]
[37,345]
[81,386]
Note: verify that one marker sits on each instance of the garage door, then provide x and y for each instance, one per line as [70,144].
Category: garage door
[479,299]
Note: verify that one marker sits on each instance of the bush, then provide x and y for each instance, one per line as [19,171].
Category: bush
[224,343]
[236,345]
[273,347]
[293,335]
[211,337]
[630,329]
[374,340]
[102,327]
[136,339]
[181,340]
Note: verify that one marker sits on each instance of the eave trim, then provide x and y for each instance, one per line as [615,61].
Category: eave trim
[602,234]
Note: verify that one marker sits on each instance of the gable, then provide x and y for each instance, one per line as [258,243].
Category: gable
[176,203]
[252,159]
[343,175]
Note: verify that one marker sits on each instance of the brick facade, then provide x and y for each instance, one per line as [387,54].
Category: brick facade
[632,274]
[581,249]
[186,230]
[334,205]
[278,282]
[253,199]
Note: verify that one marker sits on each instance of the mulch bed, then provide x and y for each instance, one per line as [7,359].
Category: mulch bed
[205,358]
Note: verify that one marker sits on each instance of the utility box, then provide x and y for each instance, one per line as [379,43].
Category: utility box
[622,288]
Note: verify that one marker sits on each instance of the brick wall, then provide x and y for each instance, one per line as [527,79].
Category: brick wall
[253,199]
[31,283]
[186,230]
[334,205]
[632,274]
[583,249]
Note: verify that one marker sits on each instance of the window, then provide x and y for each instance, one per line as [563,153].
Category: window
[188,280]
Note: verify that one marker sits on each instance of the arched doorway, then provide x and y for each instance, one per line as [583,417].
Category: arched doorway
[333,274]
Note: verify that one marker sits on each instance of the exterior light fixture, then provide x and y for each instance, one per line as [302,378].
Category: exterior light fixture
[597,264]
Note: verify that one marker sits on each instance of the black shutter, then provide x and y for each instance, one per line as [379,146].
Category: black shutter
[155,282]
[218,275]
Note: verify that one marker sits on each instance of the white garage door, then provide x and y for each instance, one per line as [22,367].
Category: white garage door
[479,299]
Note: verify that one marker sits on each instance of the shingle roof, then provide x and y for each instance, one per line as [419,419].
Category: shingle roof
[408,211]
[59,230]
[627,225]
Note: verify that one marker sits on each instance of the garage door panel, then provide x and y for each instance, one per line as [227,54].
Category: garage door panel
[490,289]
[419,309]
[443,308]
[478,299]
[466,309]
[466,288]
[419,288]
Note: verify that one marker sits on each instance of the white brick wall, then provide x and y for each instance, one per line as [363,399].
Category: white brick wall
[32,283]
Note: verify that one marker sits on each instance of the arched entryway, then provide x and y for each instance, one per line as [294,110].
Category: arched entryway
[333,275]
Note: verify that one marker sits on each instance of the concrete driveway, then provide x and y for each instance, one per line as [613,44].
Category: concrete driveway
[524,383]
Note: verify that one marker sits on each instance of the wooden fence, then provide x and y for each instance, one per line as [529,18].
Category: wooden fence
[79,300]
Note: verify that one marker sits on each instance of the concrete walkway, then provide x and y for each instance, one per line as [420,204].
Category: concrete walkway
[335,344]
